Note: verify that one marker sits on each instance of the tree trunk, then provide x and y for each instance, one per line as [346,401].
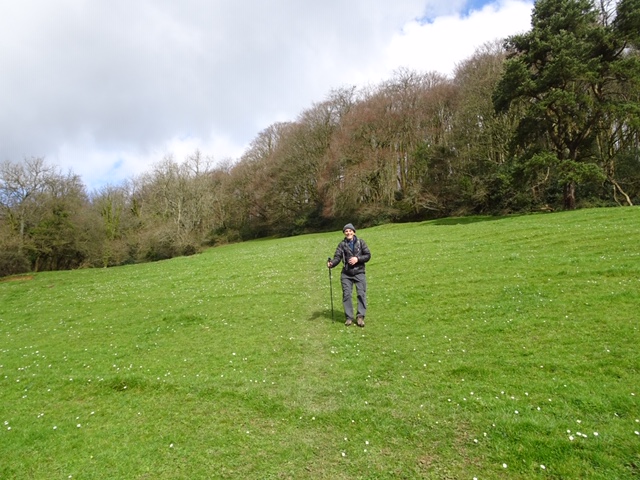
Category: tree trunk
[618,188]
[570,196]
[21,244]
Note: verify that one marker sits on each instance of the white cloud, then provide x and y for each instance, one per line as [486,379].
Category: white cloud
[441,44]
[106,89]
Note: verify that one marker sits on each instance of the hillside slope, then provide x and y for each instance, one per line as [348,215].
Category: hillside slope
[494,347]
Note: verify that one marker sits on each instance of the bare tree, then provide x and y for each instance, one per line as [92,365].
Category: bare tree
[20,186]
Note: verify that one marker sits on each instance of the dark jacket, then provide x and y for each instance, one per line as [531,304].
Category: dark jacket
[344,253]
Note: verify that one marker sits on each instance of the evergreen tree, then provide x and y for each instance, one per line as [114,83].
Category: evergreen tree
[565,75]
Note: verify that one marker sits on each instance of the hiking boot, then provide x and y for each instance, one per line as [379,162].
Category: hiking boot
[348,322]
[360,321]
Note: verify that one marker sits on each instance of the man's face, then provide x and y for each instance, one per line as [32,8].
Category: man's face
[349,233]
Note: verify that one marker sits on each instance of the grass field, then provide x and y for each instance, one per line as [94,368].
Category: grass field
[494,348]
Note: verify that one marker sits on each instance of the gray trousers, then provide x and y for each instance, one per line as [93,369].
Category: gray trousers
[360,282]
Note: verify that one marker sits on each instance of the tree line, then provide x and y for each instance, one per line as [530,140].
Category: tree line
[545,120]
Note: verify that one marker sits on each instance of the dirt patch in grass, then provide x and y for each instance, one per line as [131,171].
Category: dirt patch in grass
[18,278]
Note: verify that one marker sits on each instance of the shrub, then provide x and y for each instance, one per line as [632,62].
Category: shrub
[13,262]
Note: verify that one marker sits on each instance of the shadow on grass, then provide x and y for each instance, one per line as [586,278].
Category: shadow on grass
[466,220]
[326,315]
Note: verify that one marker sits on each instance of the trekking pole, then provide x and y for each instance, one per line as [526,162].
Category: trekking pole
[331,290]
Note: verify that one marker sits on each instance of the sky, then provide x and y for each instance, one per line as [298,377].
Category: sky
[106,89]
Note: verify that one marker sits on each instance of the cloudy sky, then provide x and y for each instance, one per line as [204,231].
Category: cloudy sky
[106,89]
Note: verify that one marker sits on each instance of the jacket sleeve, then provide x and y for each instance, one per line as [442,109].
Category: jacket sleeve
[337,257]
[365,254]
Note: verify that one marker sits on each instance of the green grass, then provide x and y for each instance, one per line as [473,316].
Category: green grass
[510,341]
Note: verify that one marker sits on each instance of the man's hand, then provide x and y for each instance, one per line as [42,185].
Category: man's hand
[353,260]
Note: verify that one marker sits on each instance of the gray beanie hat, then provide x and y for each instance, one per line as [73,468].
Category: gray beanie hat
[348,225]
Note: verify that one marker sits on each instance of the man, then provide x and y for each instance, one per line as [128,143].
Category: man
[353,253]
